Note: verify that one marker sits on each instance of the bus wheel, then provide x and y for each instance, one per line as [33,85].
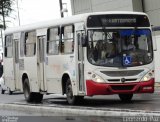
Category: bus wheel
[38,97]
[126,97]
[3,91]
[29,96]
[71,99]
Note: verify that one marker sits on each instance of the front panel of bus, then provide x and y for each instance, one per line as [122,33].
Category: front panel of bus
[119,55]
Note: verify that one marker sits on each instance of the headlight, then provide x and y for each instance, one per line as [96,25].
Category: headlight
[97,78]
[148,76]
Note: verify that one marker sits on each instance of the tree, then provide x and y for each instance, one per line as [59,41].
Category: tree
[5,10]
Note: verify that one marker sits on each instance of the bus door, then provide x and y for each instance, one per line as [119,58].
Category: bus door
[9,62]
[16,63]
[80,35]
[41,48]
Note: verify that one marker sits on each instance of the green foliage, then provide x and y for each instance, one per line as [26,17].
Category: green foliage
[5,10]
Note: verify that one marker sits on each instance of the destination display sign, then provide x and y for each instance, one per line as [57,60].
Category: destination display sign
[118,21]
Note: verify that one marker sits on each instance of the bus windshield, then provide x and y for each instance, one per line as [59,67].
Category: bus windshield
[119,48]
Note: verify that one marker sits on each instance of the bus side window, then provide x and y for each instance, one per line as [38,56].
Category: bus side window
[30,43]
[8,46]
[68,40]
[53,41]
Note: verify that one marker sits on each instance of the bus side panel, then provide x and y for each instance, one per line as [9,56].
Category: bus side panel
[30,67]
[54,74]
[55,68]
[9,73]
[20,80]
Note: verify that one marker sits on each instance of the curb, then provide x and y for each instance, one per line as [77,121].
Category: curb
[50,111]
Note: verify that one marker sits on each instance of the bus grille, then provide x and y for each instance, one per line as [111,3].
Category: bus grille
[118,80]
[122,73]
[130,87]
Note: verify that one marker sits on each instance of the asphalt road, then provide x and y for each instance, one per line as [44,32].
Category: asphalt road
[147,102]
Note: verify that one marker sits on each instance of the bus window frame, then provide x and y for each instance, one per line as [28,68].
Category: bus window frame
[62,39]
[48,40]
[6,47]
[35,44]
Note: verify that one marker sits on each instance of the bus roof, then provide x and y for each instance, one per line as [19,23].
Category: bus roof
[63,21]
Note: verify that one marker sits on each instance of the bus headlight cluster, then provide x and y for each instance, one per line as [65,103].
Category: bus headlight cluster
[148,76]
[97,78]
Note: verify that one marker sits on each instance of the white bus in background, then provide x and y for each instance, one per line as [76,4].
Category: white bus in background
[101,53]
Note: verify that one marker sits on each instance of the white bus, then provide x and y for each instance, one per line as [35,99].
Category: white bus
[100,53]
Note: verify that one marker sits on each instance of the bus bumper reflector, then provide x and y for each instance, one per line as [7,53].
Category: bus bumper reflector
[147,88]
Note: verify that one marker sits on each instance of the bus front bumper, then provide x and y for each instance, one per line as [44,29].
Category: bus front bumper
[94,88]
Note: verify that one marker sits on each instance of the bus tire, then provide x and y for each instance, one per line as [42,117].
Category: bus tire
[3,91]
[126,97]
[38,97]
[29,96]
[71,99]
